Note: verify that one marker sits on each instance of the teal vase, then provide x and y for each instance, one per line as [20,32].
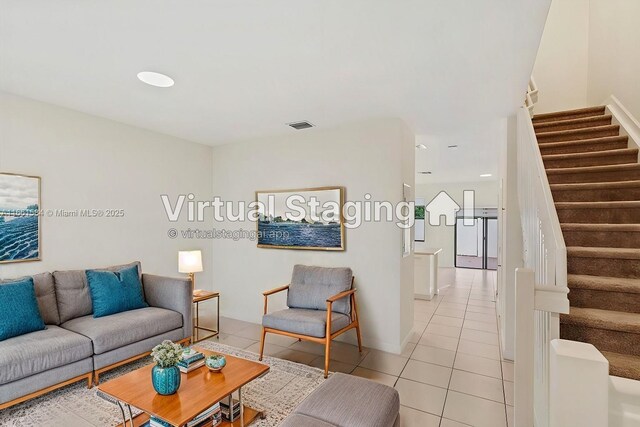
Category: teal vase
[165,380]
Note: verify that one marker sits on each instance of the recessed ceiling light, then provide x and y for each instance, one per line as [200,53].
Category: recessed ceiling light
[425,173]
[155,79]
[485,175]
[421,146]
[453,147]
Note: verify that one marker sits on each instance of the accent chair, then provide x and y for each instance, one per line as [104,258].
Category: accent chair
[321,305]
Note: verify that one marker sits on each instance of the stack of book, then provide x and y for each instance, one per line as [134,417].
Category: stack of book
[156,422]
[190,361]
[224,408]
[210,417]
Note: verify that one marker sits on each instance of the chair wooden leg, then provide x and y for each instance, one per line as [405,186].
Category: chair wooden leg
[355,310]
[96,379]
[327,354]
[264,334]
[90,380]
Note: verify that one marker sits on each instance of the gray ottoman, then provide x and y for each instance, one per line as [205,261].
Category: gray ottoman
[347,401]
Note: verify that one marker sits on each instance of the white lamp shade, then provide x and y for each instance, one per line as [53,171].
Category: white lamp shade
[189,261]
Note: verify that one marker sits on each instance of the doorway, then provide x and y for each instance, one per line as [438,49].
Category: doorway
[476,244]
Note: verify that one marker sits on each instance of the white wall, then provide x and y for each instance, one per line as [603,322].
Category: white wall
[614,58]
[89,162]
[561,65]
[442,236]
[588,52]
[373,157]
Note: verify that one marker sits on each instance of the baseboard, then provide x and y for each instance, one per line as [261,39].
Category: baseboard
[629,125]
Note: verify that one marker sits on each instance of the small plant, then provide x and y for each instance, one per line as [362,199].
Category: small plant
[167,354]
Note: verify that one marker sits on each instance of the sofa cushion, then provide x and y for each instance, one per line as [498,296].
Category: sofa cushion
[115,291]
[300,420]
[19,312]
[46,295]
[346,400]
[305,322]
[120,329]
[40,351]
[311,286]
[72,291]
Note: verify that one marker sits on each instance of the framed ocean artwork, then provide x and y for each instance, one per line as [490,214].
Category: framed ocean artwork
[19,218]
[307,218]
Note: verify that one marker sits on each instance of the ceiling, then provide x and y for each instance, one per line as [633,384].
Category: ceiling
[475,154]
[245,68]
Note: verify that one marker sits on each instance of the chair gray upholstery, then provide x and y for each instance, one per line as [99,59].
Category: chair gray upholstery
[39,351]
[305,322]
[349,401]
[46,296]
[72,291]
[311,286]
[127,327]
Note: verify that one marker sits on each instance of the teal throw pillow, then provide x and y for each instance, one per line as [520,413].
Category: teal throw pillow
[19,312]
[115,291]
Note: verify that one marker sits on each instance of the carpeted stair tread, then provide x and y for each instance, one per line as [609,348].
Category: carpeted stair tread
[565,115]
[616,204]
[609,253]
[603,234]
[576,123]
[602,319]
[607,173]
[576,186]
[599,283]
[592,158]
[623,365]
[604,153]
[585,145]
[632,228]
[573,134]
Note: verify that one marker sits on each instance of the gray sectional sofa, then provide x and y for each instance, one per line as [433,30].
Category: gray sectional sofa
[76,346]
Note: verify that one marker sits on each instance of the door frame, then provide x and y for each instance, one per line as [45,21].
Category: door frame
[485,220]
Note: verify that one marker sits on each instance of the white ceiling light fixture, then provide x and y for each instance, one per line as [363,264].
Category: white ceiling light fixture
[485,175]
[421,147]
[155,79]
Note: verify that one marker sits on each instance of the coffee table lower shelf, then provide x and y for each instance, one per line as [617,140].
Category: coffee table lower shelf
[250,416]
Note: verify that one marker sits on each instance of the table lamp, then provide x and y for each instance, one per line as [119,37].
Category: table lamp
[190,262]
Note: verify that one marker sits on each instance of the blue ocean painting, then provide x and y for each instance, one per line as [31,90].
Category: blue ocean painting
[19,238]
[19,217]
[297,234]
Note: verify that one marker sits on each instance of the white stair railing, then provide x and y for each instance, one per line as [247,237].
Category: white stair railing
[541,288]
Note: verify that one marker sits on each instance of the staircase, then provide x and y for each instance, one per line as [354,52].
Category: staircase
[595,182]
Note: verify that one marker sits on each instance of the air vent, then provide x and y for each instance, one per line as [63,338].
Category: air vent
[300,125]
[425,173]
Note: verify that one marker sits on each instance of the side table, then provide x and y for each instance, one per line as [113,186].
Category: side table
[198,297]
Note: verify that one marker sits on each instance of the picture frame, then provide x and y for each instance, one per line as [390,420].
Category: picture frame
[20,219]
[321,231]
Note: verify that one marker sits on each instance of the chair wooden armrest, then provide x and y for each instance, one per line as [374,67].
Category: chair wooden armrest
[271,292]
[276,290]
[341,295]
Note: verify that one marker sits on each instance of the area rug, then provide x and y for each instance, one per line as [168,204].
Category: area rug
[277,394]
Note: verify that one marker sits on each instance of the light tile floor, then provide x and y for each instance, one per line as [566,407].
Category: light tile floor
[451,373]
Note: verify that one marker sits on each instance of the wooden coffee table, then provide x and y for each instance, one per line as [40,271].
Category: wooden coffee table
[199,390]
